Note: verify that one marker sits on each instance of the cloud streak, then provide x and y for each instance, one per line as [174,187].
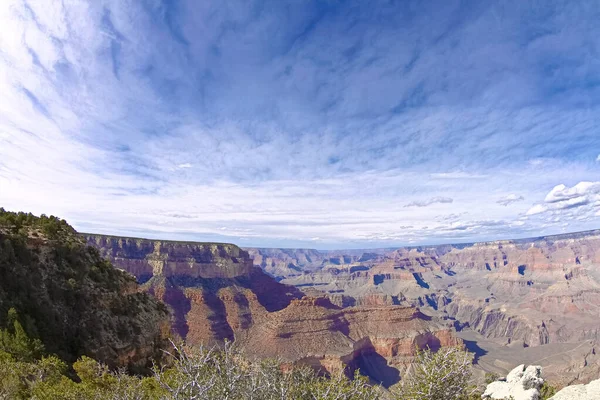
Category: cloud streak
[428,202]
[509,199]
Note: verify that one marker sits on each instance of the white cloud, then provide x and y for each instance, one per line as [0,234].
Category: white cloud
[185,165]
[542,161]
[537,209]
[569,203]
[562,193]
[598,158]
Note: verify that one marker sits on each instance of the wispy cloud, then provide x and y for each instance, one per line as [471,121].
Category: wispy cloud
[456,175]
[281,122]
[509,199]
[428,202]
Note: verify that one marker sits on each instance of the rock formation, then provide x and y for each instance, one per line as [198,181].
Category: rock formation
[507,299]
[313,331]
[522,383]
[212,289]
[590,391]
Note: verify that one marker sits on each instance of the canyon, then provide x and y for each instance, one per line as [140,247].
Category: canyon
[512,301]
[216,293]
[534,301]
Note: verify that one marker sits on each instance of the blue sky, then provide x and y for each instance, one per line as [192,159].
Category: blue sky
[324,124]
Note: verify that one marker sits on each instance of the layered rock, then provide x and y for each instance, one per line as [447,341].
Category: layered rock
[282,263]
[381,341]
[147,258]
[520,294]
[213,290]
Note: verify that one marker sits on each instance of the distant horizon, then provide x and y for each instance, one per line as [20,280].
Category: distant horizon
[524,239]
[314,124]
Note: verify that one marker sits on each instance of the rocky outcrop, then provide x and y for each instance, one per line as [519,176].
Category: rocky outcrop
[281,263]
[522,383]
[590,391]
[213,290]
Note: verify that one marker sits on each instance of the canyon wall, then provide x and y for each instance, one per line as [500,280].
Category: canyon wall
[212,289]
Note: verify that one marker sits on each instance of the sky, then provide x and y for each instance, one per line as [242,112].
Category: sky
[296,123]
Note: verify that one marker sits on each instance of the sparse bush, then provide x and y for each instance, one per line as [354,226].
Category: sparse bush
[225,374]
[194,373]
[441,375]
[491,377]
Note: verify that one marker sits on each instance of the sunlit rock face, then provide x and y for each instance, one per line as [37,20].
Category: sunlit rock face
[212,289]
[146,258]
[579,392]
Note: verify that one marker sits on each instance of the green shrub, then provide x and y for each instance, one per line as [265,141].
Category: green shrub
[15,342]
[547,391]
[491,377]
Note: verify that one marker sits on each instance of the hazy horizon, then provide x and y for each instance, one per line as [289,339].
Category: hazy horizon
[314,124]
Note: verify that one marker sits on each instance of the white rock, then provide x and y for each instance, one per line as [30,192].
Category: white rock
[591,391]
[521,384]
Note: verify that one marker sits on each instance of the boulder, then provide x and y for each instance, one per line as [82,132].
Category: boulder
[591,391]
[522,383]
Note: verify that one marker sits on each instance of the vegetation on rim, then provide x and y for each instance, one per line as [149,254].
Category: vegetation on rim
[71,299]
